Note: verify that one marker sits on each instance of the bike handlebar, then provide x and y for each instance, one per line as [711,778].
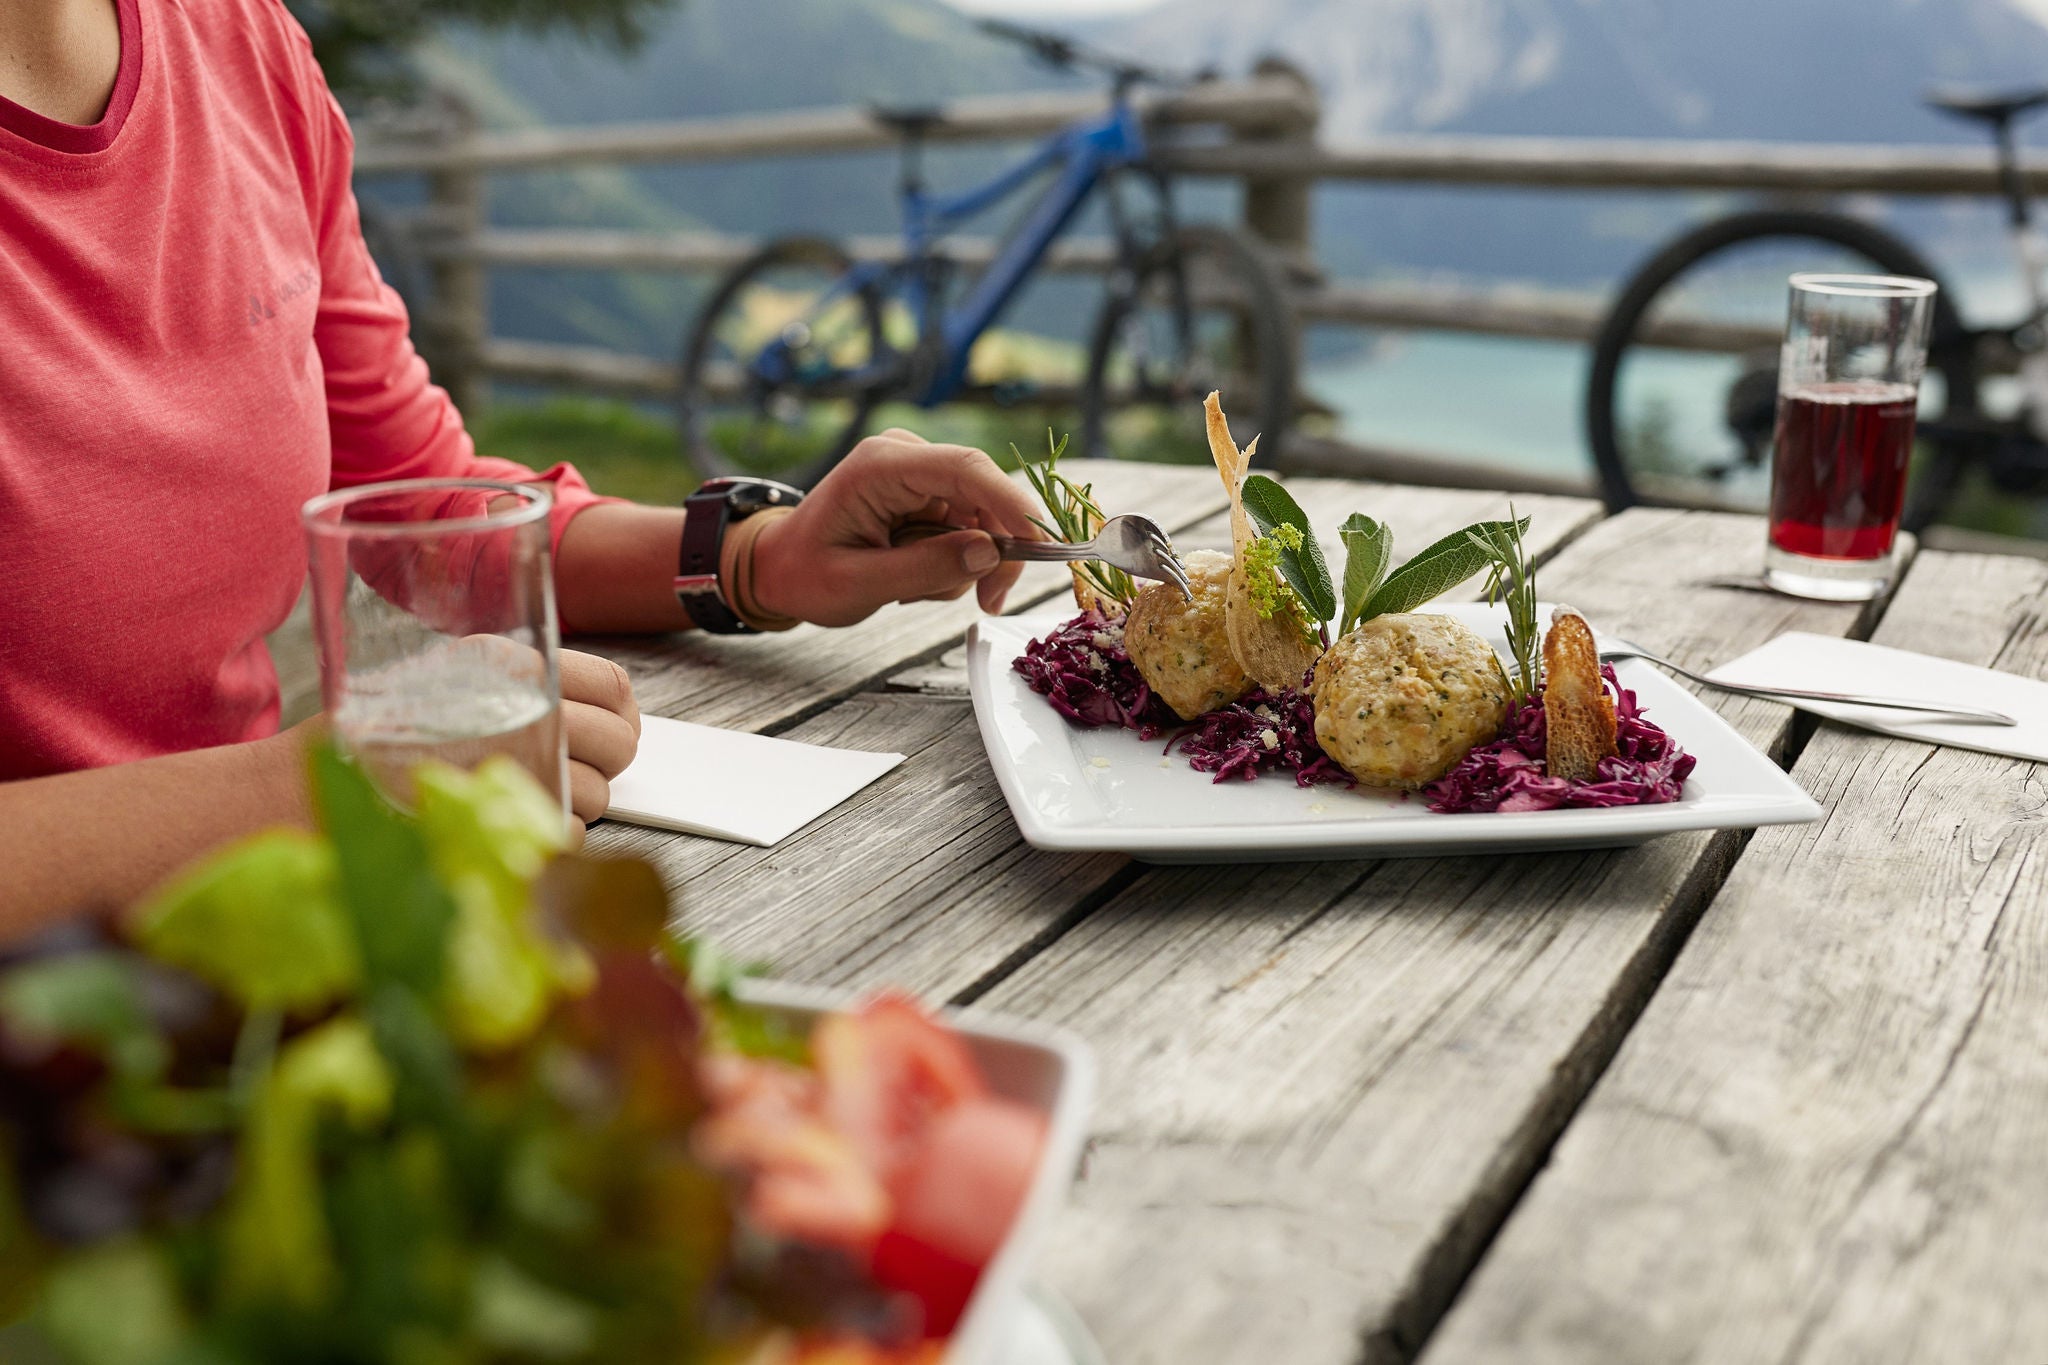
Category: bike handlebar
[1066,54]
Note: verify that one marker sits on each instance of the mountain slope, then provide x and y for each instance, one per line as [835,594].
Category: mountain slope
[1843,70]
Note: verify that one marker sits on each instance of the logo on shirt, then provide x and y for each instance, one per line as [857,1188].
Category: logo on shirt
[262,310]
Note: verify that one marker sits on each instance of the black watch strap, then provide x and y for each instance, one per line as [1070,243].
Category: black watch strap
[706,514]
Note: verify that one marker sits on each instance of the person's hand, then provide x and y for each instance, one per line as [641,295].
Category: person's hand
[603,725]
[830,561]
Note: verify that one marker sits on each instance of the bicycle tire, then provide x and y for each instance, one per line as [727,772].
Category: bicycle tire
[1950,351]
[693,389]
[1271,333]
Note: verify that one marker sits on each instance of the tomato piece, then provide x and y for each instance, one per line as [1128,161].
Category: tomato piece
[887,1069]
[968,1179]
[942,1284]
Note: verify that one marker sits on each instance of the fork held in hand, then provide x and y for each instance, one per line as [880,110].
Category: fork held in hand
[1130,542]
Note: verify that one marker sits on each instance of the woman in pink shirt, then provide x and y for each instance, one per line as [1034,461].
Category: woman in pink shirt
[193,341]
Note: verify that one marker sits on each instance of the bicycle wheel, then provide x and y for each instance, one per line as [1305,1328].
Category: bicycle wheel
[1205,309]
[1682,397]
[777,373]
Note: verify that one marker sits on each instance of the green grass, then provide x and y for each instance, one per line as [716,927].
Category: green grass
[622,450]
[631,452]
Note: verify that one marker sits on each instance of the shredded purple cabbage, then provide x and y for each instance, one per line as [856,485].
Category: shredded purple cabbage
[1508,774]
[1265,731]
[1082,670]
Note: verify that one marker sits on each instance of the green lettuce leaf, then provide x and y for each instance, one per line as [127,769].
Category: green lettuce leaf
[91,1000]
[1435,571]
[262,921]
[1303,565]
[276,1244]
[489,834]
[113,1304]
[1368,549]
[385,875]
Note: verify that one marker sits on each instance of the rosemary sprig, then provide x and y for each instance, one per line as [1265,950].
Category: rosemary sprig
[1510,579]
[1075,517]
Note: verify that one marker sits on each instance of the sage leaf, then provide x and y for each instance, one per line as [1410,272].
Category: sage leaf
[1368,549]
[1303,566]
[1438,569]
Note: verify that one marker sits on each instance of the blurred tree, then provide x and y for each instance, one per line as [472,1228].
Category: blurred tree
[362,44]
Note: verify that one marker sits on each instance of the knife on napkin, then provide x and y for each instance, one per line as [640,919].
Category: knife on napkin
[1827,663]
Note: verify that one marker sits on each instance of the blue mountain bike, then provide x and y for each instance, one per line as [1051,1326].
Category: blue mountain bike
[787,362]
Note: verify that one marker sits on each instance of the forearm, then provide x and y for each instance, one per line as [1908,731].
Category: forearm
[615,569]
[101,838]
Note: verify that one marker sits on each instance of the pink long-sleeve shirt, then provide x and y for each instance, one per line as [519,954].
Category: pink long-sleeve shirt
[193,341]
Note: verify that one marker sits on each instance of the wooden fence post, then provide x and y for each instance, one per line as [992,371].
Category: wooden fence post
[1276,206]
[457,325]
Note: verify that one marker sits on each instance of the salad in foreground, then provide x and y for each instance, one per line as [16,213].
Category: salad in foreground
[1246,675]
[431,1091]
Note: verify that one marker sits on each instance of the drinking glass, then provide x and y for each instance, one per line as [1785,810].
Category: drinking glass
[434,611]
[1848,386]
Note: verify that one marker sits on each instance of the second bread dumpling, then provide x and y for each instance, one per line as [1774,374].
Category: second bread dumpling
[1181,647]
[1402,698]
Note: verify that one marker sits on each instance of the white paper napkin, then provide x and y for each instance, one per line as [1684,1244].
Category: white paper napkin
[1826,663]
[730,785]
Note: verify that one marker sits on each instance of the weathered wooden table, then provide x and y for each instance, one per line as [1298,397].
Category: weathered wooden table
[1711,1099]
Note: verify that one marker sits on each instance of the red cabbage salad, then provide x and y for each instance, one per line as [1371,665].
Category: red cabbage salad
[1508,774]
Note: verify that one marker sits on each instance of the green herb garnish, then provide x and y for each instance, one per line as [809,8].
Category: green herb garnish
[1075,518]
[1513,581]
[1368,550]
[1437,569]
[1295,554]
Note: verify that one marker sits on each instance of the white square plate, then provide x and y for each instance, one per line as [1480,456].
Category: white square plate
[1078,790]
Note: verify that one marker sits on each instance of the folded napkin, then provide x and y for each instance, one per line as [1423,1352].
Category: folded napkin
[730,785]
[1828,664]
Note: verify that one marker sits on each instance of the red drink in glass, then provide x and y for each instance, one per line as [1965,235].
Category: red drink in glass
[1848,380]
[1840,480]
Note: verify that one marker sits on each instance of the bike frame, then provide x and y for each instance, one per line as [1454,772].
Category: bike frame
[1083,154]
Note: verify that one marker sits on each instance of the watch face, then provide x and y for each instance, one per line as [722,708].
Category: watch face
[747,496]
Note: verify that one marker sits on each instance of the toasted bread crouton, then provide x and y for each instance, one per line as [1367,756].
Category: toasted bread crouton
[1578,715]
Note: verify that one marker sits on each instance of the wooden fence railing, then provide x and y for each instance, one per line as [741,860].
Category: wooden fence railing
[1260,131]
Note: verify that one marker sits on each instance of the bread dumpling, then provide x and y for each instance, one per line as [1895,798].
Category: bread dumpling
[1179,644]
[1274,651]
[1402,698]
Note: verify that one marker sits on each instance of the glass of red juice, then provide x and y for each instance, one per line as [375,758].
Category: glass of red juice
[1848,387]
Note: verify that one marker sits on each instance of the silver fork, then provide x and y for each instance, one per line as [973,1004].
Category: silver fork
[1129,542]
[1975,715]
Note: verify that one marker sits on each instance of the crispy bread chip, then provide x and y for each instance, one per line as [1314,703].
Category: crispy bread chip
[1274,651]
[1578,714]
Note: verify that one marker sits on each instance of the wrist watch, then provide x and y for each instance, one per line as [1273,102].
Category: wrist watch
[706,514]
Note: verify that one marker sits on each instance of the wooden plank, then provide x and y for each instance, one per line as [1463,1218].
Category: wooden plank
[1621,163]
[1323,1085]
[1519,311]
[764,682]
[1250,105]
[1338,458]
[610,249]
[920,881]
[1823,1141]
[923,880]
